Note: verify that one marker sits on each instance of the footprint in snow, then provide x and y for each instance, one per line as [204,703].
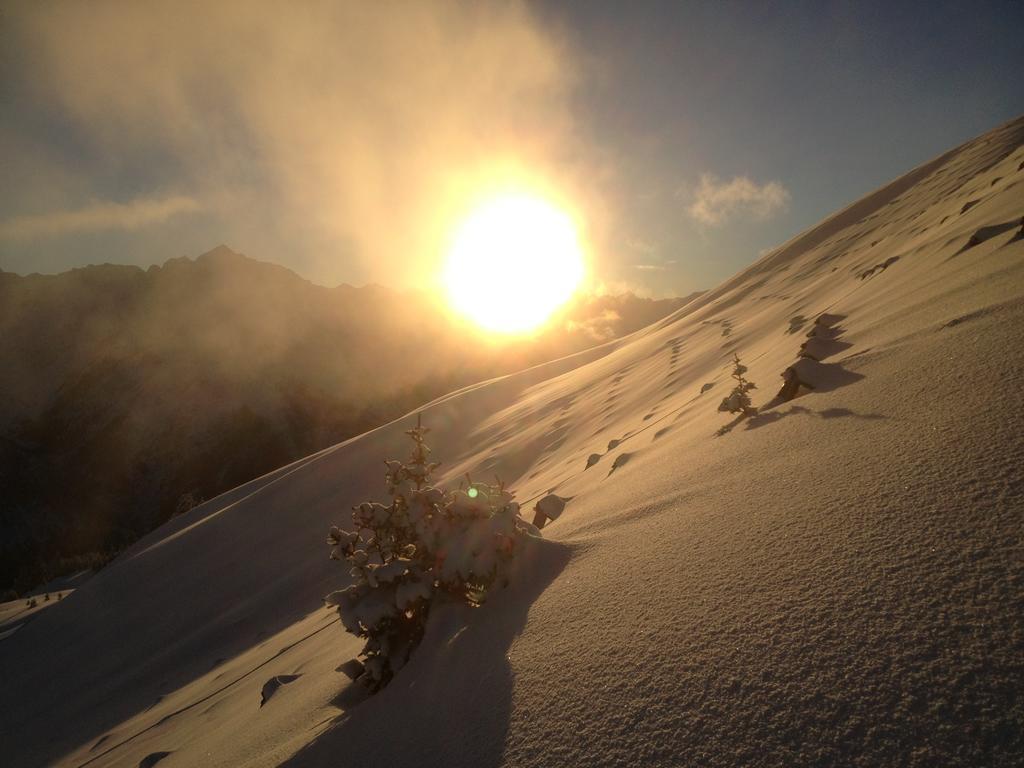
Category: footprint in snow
[620,461]
[270,687]
[152,759]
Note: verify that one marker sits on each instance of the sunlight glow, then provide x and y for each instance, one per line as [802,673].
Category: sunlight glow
[513,261]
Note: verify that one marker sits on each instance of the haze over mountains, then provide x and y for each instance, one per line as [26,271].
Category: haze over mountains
[131,393]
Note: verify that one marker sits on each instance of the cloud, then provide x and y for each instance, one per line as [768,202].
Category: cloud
[600,327]
[97,217]
[655,266]
[648,251]
[715,202]
[641,246]
[353,130]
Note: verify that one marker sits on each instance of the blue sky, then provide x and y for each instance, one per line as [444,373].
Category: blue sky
[341,141]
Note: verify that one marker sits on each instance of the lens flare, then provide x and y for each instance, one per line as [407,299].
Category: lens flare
[513,261]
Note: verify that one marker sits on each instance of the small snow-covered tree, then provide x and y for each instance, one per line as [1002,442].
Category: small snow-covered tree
[428,544]
[738,401]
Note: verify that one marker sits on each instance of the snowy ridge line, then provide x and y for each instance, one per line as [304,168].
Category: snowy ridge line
[295,467]
[611,346]
[14,617]
[676,410]
[208,696]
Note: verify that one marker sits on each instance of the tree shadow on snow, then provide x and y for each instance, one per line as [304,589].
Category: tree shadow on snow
[767,416]
[451,704]
[987,233]
[819,348]
[771,417]
[809,376]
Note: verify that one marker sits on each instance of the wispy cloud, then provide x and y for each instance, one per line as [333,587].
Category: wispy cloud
[653,264]
[641,246]
[716,201]
[362,129]
[599,328]
[98,217]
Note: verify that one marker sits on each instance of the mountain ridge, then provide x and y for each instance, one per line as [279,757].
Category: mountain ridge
[122,386]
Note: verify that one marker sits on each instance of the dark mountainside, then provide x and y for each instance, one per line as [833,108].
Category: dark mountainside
[130,394]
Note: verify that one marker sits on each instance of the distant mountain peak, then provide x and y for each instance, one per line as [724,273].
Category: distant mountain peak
[222,253]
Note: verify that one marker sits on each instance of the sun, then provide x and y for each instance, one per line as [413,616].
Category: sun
[513,261]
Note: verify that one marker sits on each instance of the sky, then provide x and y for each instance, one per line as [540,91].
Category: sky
[346,140]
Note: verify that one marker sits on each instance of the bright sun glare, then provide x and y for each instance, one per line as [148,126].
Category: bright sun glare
[513,261]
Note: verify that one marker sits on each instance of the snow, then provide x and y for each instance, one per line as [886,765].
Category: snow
[836,580]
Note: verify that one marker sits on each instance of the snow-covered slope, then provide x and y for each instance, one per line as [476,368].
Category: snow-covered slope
[838,580]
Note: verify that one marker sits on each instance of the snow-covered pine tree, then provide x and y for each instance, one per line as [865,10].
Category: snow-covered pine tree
[738,401]
[427,545]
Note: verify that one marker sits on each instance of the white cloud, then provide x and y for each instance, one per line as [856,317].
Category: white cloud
[98,216]
[715,201]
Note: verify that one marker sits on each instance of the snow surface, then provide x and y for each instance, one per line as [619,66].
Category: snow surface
[838,580]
